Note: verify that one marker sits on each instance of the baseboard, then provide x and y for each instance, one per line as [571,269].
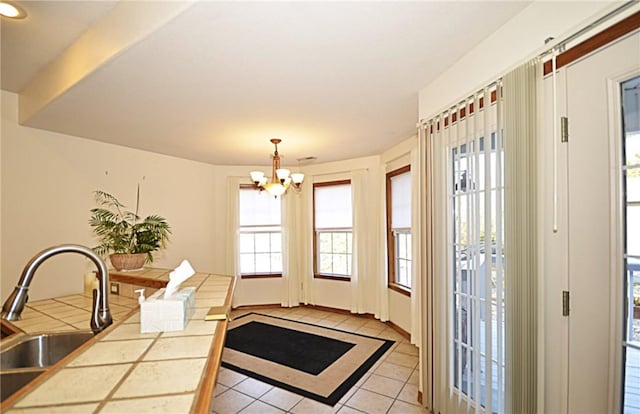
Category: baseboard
[392,325]
[406,335]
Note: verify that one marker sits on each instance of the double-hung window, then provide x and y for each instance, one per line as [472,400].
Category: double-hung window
[332,229]
[399,229]
[260,234]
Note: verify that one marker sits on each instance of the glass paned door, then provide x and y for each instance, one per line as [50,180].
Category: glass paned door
[476,194]
[630,91]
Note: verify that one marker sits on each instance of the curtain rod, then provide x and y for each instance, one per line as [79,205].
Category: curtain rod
[560,44]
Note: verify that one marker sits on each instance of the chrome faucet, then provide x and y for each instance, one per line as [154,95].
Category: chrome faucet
[100,314]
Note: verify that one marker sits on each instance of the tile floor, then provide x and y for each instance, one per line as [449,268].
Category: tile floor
[390,386]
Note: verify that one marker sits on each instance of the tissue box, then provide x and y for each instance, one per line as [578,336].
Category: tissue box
[158,314]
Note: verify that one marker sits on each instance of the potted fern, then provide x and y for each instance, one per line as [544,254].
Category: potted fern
[124,235]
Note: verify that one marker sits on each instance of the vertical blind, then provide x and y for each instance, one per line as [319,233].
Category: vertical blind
[468,142]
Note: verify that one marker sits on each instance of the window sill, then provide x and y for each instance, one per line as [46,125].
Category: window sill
[261,276]
[400,289]
[333,277]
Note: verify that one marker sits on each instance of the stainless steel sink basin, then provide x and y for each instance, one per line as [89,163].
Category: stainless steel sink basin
[25,357]
[41,350]
[12,381]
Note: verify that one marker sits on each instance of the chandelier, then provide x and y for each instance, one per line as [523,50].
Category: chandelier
[281,178]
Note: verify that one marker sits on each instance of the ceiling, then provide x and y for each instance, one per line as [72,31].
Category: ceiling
[214,81]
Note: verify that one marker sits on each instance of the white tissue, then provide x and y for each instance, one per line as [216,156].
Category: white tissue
[177,276]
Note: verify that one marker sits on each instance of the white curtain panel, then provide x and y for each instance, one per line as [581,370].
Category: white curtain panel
[382,290]
[359,266]
[521,90]
[417,317]
[233,223]
[292,250]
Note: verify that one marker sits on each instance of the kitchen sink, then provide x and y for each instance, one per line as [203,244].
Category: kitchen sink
[25,357]
[41,350]
[12,381]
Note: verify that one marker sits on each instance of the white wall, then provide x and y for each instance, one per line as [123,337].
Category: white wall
[47,185]
[519,39]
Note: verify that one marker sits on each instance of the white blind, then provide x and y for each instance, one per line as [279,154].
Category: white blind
[401,200]
[333,206]
[258,208]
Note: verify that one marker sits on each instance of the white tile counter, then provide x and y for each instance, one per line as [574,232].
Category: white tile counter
[122,370]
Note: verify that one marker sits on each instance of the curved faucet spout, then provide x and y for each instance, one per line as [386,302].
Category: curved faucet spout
[100,315]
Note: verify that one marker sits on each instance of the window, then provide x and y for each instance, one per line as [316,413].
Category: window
[476,200]
[332,214]
[399,229]
[260,238]
[631,213]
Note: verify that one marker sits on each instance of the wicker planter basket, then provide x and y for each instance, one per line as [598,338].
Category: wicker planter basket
[122,261]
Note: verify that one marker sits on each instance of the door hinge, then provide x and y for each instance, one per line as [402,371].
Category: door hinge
[564,129]
[565,303]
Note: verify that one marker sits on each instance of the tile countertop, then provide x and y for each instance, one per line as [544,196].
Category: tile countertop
[122,370]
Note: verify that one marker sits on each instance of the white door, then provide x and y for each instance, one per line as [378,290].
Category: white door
[594,255]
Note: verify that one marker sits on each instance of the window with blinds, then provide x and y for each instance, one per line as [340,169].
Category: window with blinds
[398,194]
[333,221]
[260,234]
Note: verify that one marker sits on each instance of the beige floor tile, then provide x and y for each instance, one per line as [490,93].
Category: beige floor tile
[219,389]
[63,387]
[229,378]
[308,406]
[280,398]
[310,319]
[401,407]
[397,372]
[409,394]
[407,349]
[164,404]
[405,360]
[391,335]
[230,402]
[348,410]
[161,377]
[253,387]
[113,352]
[363,379]
[348,395]
[369,331]
[414,378]
[326,323]
[369,402]
[337,317]
[383,385]
[258,407]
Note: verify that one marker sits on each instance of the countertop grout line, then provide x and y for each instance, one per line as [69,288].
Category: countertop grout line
[117,386]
